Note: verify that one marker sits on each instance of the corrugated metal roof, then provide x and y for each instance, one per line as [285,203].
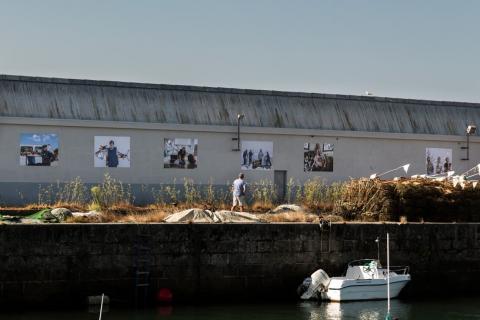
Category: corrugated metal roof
[136,102]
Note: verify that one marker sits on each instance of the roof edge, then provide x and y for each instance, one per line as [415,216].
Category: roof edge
[142,85]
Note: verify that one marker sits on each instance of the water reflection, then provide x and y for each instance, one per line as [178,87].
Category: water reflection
[371,310]
[432,309]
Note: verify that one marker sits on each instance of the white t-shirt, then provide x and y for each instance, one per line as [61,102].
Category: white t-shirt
[239,187]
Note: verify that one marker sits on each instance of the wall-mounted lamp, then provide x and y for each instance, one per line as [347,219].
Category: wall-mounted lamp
[471,129]
[240,116]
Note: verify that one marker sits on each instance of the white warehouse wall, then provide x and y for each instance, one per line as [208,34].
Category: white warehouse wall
[356,154]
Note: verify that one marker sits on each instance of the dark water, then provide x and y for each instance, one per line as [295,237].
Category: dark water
[455,308]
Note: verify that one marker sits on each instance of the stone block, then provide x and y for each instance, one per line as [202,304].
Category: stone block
[264,246]
[282,246]
[219,259]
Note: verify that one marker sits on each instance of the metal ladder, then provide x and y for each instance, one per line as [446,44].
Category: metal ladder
[325,235]
[142,258]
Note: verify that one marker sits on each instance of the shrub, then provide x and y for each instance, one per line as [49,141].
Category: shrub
[192,195]
[73,193]
[171,192]
[110,193]
[210,195]
[316,194]
[289,197]
[263,193]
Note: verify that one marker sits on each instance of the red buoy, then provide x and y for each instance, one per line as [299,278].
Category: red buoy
[164,295]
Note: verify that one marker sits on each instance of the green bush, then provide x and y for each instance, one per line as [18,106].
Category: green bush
[111,192]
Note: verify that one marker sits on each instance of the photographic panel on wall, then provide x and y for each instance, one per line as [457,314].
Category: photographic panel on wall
[256,155]
[438,160]
[111,152]
[39,149]
[318,157]
[180,153]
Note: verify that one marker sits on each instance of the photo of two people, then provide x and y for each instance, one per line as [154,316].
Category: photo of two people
[39,149]
[180,153]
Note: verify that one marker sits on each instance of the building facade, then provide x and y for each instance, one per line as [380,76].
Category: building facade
[54,130]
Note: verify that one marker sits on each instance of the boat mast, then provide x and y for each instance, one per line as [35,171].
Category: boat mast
[388,277]
[101,308]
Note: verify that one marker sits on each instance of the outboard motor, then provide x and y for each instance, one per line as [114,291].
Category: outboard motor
[302,288]
[319,280]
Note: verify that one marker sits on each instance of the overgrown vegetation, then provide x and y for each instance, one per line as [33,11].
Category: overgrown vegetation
[264,195]
[72,194]
[314,194]
[355,200]
[409,200]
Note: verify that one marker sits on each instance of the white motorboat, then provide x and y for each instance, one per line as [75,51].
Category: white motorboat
[364,280]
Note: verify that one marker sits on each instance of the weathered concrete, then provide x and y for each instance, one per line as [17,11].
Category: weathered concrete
[50,264]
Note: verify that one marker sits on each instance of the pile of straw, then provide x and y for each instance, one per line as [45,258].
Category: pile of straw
[413,199]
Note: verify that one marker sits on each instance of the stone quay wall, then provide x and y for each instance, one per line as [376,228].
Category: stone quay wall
[64,263]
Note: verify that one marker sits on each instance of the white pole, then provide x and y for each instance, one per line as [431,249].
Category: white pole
[476,167]
[101,308]
[473,175]
[388,273]
[404,167]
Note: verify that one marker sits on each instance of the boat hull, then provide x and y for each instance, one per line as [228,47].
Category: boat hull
[363,289]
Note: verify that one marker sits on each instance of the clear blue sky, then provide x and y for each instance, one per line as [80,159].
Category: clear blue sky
[411,49]
[39,139]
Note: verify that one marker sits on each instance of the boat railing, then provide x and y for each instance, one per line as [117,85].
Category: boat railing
[400,269]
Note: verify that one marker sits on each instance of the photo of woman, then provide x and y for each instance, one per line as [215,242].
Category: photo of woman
[318,157]
[112,152]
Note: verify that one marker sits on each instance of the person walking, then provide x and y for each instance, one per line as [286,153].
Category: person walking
[238,189]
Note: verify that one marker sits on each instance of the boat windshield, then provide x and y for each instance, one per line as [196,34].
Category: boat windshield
[363,262]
